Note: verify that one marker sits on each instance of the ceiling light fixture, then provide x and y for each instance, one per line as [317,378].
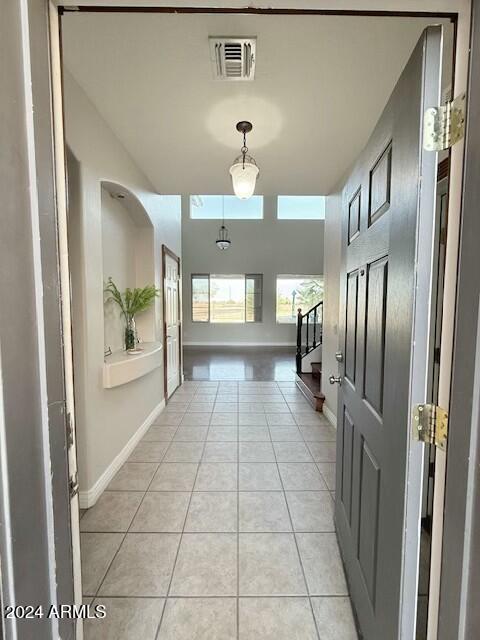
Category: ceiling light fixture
[244,170]
[223,242]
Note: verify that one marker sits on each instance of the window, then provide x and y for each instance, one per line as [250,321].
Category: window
[227,298]
[294,292]
[301,207]
[211,208]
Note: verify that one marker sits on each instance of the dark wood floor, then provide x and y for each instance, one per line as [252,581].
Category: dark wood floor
[239,363]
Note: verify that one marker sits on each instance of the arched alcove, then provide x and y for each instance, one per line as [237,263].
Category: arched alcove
[128,257]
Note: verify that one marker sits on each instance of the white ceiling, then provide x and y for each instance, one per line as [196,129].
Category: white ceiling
[321,83]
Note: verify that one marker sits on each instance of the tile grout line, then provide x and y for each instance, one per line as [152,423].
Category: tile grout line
[238,516]
[131,522]
[297,547]
[167,595]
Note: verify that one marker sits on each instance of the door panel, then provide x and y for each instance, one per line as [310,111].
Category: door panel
[351,326]
[378,282]
[375,333]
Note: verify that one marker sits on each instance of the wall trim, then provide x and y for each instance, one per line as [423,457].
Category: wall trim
[238,344]
[330,416]
[89,498]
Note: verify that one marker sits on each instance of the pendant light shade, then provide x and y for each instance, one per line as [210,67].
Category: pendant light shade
[244,177]
[244,170]
[223,242]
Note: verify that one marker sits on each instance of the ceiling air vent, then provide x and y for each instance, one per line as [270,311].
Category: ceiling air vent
[233,58]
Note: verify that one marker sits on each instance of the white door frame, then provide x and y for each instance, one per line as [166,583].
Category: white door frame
[168,252]
[58,200]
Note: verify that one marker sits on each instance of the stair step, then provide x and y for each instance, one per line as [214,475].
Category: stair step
[316,369]
[309,385]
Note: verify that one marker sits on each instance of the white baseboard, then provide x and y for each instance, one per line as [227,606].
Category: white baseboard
[239,344]
[88,498]
[330,416]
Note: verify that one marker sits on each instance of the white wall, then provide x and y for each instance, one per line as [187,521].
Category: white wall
[118,230]
[333,258]
[267,246]
[108,418]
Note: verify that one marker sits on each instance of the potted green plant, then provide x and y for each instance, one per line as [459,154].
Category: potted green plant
[131,302]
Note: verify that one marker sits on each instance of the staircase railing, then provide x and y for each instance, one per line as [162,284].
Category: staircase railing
[309,332]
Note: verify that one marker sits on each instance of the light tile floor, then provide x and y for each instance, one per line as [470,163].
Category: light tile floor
[220,525]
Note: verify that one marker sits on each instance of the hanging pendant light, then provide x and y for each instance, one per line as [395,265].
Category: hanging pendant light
[223,242]
[244,170]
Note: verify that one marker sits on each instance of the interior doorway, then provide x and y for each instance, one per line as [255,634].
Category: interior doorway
[172,320]
[172,335]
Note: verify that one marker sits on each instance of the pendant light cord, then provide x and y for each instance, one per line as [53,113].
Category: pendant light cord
[244,149]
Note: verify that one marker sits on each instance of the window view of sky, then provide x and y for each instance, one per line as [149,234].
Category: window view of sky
[301,207]
[210,208]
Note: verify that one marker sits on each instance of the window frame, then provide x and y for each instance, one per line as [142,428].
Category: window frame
[256,276]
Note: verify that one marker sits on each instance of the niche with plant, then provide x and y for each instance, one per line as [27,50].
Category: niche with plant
[131,303]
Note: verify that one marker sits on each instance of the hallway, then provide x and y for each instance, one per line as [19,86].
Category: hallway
[220,525]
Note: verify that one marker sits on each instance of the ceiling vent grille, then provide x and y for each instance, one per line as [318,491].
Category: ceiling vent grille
[233,58]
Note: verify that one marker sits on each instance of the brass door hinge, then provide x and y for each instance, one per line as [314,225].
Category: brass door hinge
[73,485]
[430,425]
[445,125]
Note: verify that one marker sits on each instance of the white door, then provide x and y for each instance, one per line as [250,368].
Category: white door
[172,322]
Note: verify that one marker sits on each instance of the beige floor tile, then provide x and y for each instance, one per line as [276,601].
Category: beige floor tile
[258,476]
[263,511]
[256,452]
[114,511]
[334,618]
[276,407]
[196,419]
[184,452]
[220,452]
[133,476]
[161,511]
[200,407]
[191,434]
[327,469]
[280,419]
[269,565]
[199,619]
[323,451]
[307,418]
[169,418]
[253,434]
[251,418]
[212,511]
[126,619]
[225,407]
[217,476]
[224,419]
[276,619]
[318,433]
[285,434]
[311,510]
[98,550]
[149,452]
[174,476]
[206,565]
[222,434]
[322,563]
[301,476]
[159,434]
[292,452]
[246,407]
[143,566]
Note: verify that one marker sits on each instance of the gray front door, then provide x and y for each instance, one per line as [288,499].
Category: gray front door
[381,246]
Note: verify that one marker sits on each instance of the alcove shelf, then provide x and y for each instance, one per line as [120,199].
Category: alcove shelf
[120,367]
